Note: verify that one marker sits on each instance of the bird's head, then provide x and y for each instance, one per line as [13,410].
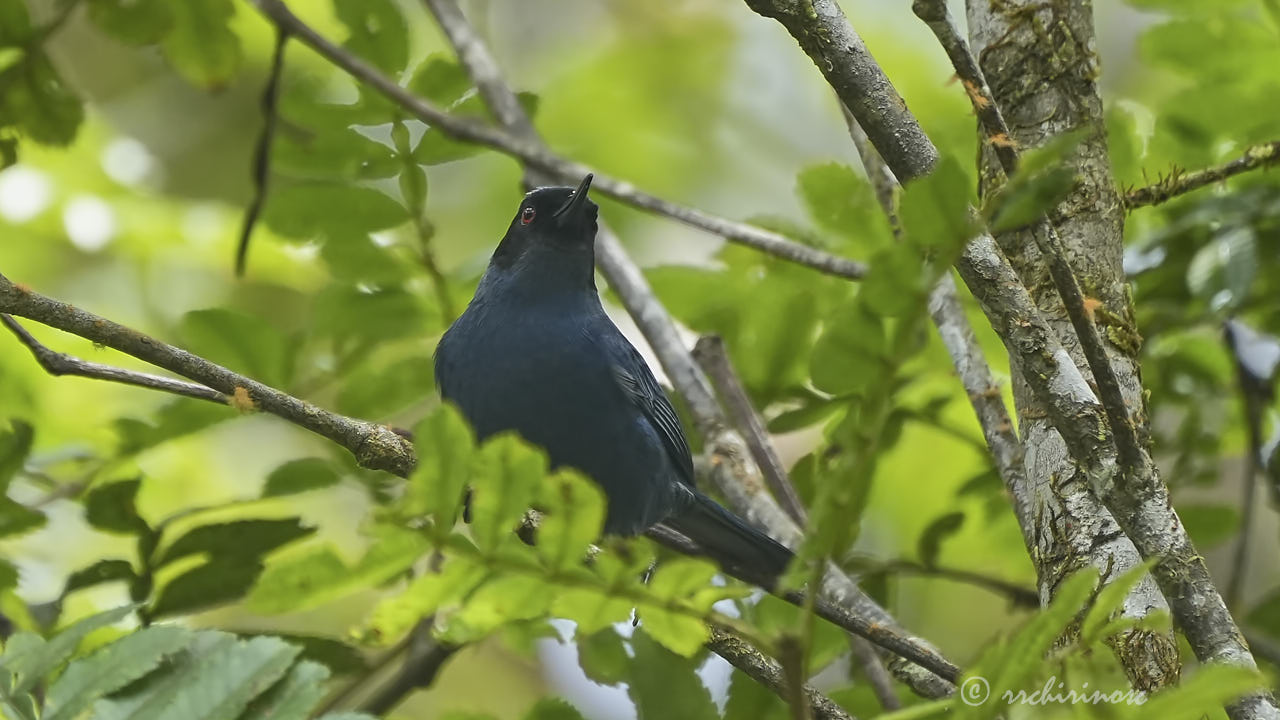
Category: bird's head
[551,222]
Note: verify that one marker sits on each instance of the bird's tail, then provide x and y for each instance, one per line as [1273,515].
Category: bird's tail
[742,550]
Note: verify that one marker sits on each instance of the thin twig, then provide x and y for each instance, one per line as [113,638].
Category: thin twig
[56,363]
[537,155]
[1018,595]
[873,670]
[262,151]
[1180,181]
[425,657]
[766,671]
[710,353]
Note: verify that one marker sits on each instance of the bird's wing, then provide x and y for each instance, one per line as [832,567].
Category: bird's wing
[639,386]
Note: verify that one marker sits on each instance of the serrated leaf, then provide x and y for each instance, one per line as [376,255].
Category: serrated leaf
[378,33]
[17,519]
[396,615]
[506,478]
[552,709]
[201,45]
[1110,600]
[574,510]
[32,659]
[112,508]
[312,578]
[663,684]
[219,581]
[935,211]
[239,538]
[1205,692]
[591,609]
[602,655]
[136,22]
[15,445]
[306,210]
[439,79]
[38,103]
[293,697]
[681,634]
[851,351]
[842,202]
[102,571]
[503,599]
[111,668]
[299,476]
[444,444]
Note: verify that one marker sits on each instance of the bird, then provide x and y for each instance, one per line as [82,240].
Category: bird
[535,352]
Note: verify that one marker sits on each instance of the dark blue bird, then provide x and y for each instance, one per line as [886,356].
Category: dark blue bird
[535,353]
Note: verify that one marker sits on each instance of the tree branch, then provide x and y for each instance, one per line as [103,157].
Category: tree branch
[375,446]
[1180,181]
[262,151]
[710,353]
[425,656]
[766,671]
[536,155]
[57,364]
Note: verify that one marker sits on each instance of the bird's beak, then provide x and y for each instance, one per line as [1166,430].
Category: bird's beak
[577,200]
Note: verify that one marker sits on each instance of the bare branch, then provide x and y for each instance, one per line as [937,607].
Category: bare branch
[374,446]
[873,670]
[262,151]
[1180,181]
[56,363]
[827,37]
[766,671]
[710,353]
[424,657]
[558,169]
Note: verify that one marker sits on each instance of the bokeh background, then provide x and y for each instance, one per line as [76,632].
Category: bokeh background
[699,101]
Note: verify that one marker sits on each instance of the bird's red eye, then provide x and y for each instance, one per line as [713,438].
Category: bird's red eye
[526,217]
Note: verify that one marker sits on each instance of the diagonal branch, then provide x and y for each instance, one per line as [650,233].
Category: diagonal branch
[536,155]
[1180,181]
[766,671]
[56,363]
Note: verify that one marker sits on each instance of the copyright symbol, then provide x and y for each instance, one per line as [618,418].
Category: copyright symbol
[975,690]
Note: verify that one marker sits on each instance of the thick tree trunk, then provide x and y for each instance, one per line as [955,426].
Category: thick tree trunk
[1039,62]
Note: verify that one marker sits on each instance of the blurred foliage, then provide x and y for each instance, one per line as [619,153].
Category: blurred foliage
[239,549]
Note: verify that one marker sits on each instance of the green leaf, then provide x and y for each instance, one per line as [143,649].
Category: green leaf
[574,510]
[1097,624]
[110,668]
[1223,271]
[221,580]
[339,657]
[750,700]
[299,476]
[1204,693]
[113,508]
[593,610]
[201,45]
[136,22]
[323,149]
[445,447]
[305,210]
[172,420]
[507,476]
[31,659]
[15,23]
[8,576]
[294,697]
[842,202]
[552,709]
[245,539]
[681,634]
[1044,178]
[427,594]
[219,680]
[102,571]
[664,685]
[15,445]
[244,343]
[935,211]
[17,519]
[37,102]
[850,352]
[318,576]
[500,600]
[368,315]
[378,32]
[603,656]
[930,542]
[439,79]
